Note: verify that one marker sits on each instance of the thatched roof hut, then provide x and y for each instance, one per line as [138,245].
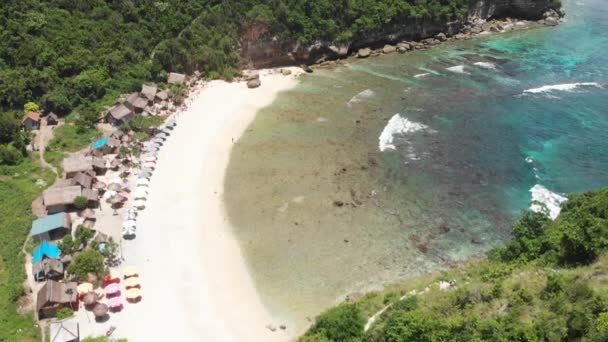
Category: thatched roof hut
[149,92]
[54,296]
[175,78]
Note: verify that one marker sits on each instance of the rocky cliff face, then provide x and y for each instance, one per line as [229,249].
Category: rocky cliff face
[261,48]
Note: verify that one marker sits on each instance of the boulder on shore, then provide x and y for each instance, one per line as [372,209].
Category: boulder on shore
[364,53]
[441,36]
[285,72]
[388,49]
[254,83]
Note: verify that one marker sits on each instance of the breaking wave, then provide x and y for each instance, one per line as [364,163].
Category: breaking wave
[561,87]
[421,75]
[459,69]
[544,200]
[366,94]
[486,65]
[397,125]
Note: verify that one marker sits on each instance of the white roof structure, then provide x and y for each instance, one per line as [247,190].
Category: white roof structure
[65,331]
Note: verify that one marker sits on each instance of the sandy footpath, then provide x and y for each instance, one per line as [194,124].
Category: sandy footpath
[195,283]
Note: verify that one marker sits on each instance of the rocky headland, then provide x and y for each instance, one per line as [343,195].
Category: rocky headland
[261,48]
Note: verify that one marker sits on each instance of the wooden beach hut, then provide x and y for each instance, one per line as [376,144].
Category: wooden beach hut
[58,199]
[66,330]
[119,114]
[54,296]
[77,163]
[31,121]
[51,227]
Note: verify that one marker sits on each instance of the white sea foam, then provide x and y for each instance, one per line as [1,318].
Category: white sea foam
[529,160]
[421,75]
[561,87]
[486,65]
[367,93]
[459,69]
[546,201]
[397,125]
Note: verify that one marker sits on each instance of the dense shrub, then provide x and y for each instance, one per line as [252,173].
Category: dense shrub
[88,261]
[342,323]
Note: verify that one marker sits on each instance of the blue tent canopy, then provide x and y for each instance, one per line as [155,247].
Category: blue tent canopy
[100,143]
[48,249]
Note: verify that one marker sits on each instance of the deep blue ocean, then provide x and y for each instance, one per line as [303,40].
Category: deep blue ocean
[391,167]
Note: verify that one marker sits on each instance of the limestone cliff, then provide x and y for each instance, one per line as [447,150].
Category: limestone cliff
[261,48]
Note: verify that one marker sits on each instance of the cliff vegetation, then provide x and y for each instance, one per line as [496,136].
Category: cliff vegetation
[547,284]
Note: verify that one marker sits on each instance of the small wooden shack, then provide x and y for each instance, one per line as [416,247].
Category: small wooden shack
[31,121]
[77,163]
[119,114]
[175,78]
[48,269]
[54,296]
[57,199]
[52,119]
[52,227]
[66,330]
[149,92]
[136,103]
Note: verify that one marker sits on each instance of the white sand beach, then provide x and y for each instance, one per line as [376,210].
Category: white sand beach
[195,283]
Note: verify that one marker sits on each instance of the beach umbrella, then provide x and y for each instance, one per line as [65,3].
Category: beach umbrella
[139,204]
[161,136]
[128,231]
[132,282]
[90,298]
[114,187]
[114,302]
[145,175]
[89,223]
[108,194]
[140,194]
[99,185]
[129,271]
[143,182]
[88,213]
[116,199]
[158,141]
[171,123]
[112,289]
[146,169]
[152,154]
[132,212]
[150,165]
[129,223]
[133,293]
[166,131]
[112,276]
[100,310]
[84,288]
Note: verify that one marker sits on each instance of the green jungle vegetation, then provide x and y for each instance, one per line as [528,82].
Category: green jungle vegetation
[549,283]
[74,57]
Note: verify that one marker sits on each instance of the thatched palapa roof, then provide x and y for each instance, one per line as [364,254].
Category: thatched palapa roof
[54,292]
[61,196]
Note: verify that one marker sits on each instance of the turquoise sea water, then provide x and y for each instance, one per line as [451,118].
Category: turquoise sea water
[320,211]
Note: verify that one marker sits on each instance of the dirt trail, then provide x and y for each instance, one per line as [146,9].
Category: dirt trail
[45,134]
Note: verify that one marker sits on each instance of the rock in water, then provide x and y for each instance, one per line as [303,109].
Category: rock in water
[306,68]
[388,49]
[254,83]
[364,53]
[441,36]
